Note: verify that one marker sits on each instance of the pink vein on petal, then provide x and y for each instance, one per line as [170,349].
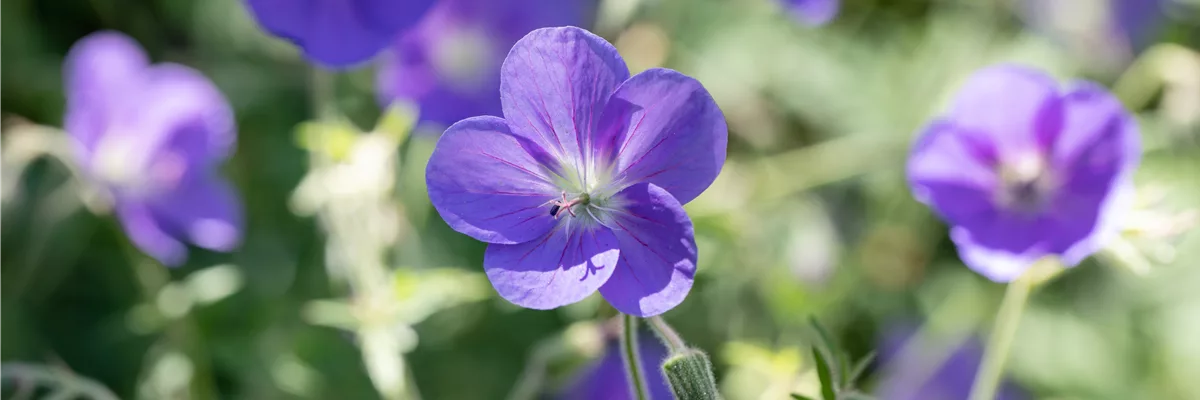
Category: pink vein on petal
[546,118]
[511,164]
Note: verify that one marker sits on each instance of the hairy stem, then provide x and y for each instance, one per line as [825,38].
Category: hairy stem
[633,365]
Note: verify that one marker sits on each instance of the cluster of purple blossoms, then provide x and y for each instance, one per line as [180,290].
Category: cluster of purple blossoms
[153,135]
[1022,169]
[338,33]
[449,64]
[580,186]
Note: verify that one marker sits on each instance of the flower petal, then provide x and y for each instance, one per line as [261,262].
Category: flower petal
[1016,107]
[204,211]
[183,105]
[566,265]
[813,12]
[658,252]
[953,173]
[338,33]
[449,64]
[1098,152]
[145,231]
[662,127]
[491,183]
[1001,247]
[553,86]
[101,70]
[177,125]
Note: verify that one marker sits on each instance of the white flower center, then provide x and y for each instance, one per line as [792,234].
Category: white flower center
[1027,183]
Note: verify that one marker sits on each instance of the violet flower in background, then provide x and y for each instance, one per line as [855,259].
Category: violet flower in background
[338,33]
[580,187]
[449,65]
[607,378]
[1107,32]
[1021,169]
[917,375]
[153,135]
[812,12]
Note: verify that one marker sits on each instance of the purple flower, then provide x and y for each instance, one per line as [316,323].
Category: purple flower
[152,135]
[813,12]
[917,375]
[580,187]
[450,63]
[338,33]
[607,379]
[1022,169]
[1107,32]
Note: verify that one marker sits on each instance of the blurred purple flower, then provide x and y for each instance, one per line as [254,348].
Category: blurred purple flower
[153,135]
[338,33]
[1106,31]
[913,377]
[607,379]
[580,187]
[450,63]
[813,12]
[1022,169]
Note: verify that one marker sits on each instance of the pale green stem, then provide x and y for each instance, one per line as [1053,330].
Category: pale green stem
[633,365]
[991,369]
[668,335]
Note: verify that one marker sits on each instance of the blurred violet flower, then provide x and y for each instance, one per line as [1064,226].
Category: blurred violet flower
[607,379]
[812,12]
[580,187]
[1109,32]
[338,33]
[153,135]
[908,375]
[1021,169]
[449,65]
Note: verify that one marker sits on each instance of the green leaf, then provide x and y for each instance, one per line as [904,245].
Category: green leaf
[828,391]
[860,367]
[799,396]
[829,349]
[826,338]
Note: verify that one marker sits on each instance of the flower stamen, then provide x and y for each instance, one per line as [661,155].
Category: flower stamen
[559,206]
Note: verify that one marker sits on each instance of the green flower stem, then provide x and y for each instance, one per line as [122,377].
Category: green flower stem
[991,369]
[668,335]
[633,365]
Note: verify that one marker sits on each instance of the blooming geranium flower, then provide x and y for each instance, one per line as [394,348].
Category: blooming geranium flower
[909,375]
[580,187]
[152,135]
[607,379]
[1022,169]
[450,63]
[338,33]
[813,12]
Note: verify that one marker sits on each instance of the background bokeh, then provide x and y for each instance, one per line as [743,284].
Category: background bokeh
[811,216]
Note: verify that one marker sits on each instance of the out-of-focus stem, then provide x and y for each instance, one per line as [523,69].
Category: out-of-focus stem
[362,261]
[991,369]
[633,364]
